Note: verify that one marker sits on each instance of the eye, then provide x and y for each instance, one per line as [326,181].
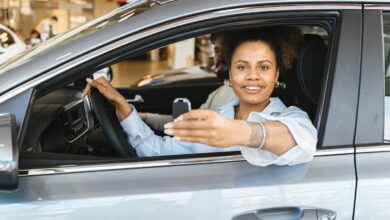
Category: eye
[241,67]
[263,67]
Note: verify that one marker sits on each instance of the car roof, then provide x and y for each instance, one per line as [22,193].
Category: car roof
[90,36]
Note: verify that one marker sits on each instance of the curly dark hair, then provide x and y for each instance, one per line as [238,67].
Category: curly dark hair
[290,39]
[283,40]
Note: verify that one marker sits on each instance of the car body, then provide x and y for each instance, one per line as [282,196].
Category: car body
[10,43]
[347,179]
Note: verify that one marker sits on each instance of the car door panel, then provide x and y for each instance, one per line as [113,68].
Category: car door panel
[203,191]
[372,155]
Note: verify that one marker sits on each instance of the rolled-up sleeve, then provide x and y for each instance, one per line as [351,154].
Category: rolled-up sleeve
[300,127]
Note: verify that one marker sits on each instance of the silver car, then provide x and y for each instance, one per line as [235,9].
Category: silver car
[61,159]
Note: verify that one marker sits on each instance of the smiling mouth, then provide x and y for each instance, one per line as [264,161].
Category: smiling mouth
[253,88]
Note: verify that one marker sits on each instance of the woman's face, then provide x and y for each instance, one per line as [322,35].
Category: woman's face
[253,72]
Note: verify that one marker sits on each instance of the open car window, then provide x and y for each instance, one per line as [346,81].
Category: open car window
[64,130]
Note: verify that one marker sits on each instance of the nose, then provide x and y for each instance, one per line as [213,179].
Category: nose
[253,74]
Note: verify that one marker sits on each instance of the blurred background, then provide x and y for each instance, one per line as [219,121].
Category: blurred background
[27,23]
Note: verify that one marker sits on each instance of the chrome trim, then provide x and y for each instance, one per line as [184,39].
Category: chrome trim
[332,152]
[161,163]
[169,25]
[373,149]
[73,104]
[130,165]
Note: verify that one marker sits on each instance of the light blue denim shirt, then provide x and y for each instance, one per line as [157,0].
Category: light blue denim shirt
[147,144]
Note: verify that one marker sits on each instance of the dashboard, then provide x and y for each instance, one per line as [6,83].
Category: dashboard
[58,120]
[74,120]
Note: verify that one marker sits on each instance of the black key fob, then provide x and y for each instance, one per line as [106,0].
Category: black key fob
[180,106]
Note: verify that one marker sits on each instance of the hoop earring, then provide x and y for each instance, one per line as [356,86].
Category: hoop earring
[277,84]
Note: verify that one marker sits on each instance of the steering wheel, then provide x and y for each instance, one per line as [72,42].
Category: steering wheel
[112,130]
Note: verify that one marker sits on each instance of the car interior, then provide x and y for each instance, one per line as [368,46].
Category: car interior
[66,128]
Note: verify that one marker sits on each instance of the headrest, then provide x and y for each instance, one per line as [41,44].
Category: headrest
[310,66]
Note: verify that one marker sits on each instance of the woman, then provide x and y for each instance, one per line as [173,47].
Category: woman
[262,128]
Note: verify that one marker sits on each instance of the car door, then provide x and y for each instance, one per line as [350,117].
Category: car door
[220,186]
[372,132]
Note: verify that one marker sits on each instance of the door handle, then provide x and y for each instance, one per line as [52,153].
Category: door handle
[287,213]
[137,98]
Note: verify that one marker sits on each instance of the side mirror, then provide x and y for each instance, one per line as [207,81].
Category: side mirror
[8,153]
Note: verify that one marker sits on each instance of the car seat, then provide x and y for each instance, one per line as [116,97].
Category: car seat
[303,82]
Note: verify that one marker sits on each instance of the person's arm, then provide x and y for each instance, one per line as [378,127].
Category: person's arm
[139,134]
[208,127]
[291,138]
[146,143]
[299,127]
[105,88]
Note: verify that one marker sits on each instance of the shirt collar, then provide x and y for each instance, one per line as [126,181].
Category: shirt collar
[275,106]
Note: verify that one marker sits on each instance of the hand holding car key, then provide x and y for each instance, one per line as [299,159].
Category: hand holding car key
[195,125]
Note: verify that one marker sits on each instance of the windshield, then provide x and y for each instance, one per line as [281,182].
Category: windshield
[123,13]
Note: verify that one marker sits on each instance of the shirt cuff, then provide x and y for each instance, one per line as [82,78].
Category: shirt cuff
[304,136]
[135,128]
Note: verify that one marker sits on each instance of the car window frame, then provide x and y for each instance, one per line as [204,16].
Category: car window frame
[330,65]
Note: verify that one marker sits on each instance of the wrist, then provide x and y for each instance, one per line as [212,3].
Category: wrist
[258,136]
[123,109]
[245,132]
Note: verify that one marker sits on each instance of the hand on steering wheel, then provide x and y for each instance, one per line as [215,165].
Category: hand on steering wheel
[106,115]
[111,94]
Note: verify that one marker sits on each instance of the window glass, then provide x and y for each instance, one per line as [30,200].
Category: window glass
[6,38]
[386,36]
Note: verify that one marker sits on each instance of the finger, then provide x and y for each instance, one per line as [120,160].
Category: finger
[197,114]
[194,140]
[99,85]
[182,133]
[191,125]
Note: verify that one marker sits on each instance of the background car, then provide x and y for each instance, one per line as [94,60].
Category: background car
[10,44]
[56,164]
